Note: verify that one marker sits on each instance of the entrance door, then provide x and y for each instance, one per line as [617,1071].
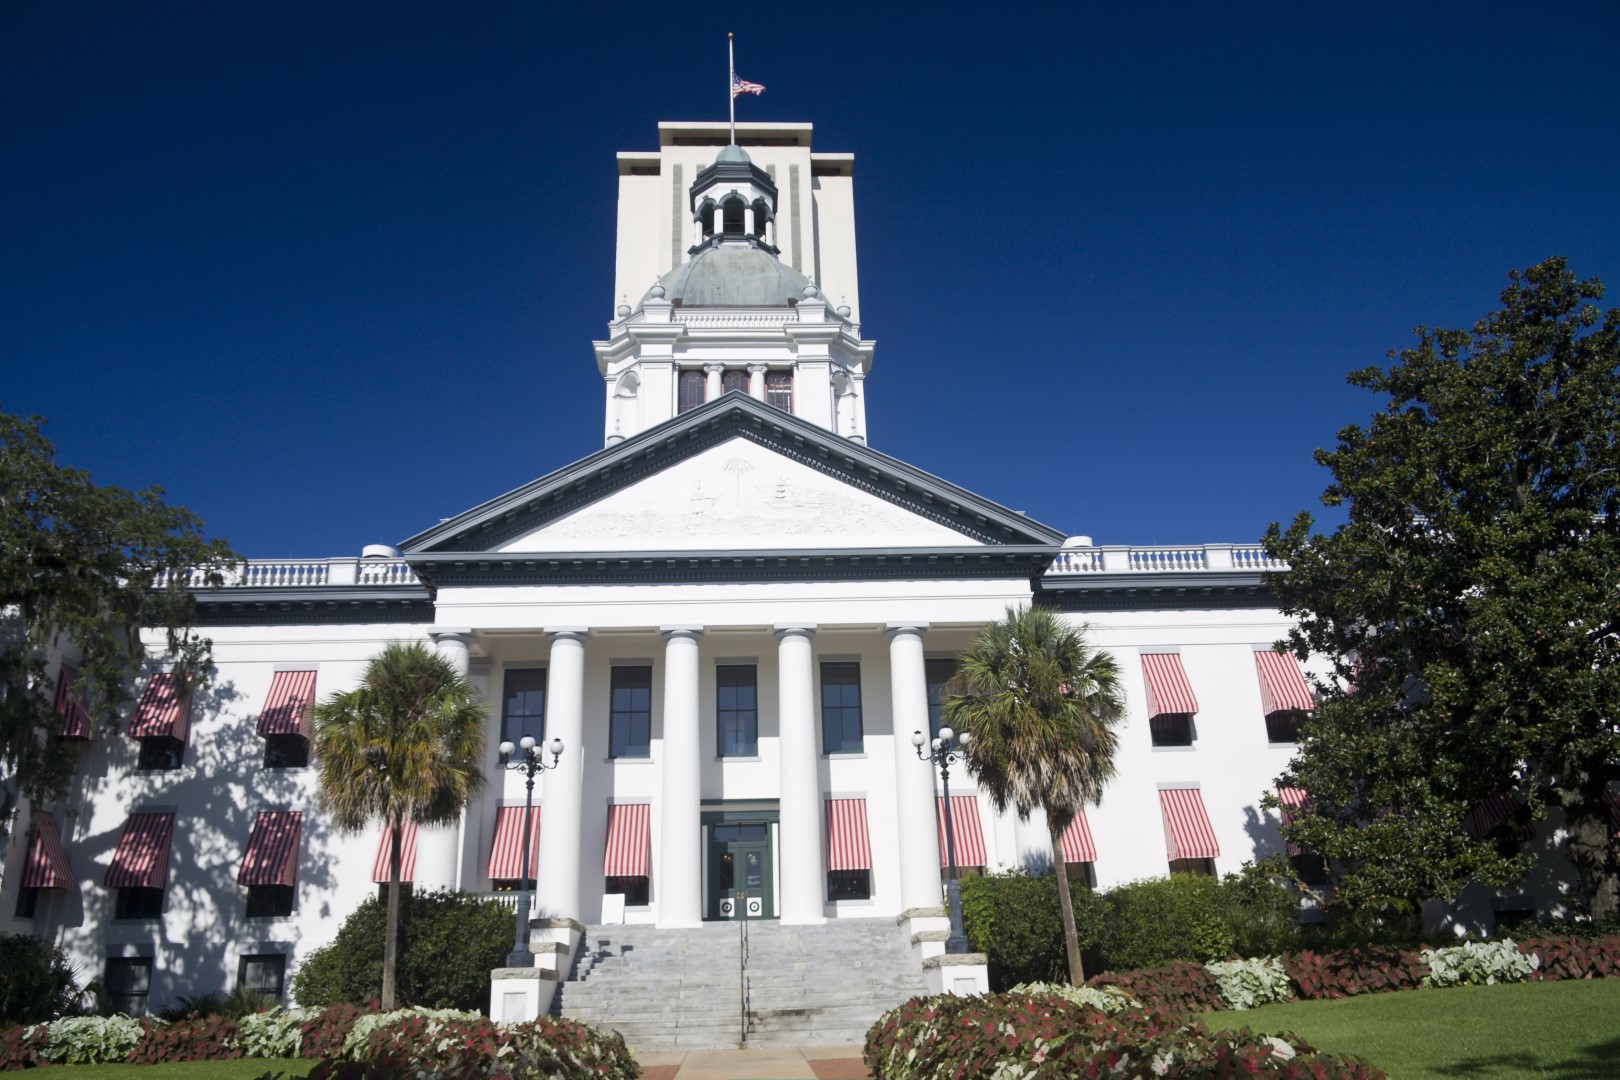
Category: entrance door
[739,864]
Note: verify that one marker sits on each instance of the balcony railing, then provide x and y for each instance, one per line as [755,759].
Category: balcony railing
[297,573]
[1126,559]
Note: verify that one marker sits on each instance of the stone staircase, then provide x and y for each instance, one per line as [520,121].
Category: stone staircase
[684,990]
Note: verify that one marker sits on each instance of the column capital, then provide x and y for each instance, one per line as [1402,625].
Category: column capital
[713,368]
[895,629]
[463,634]
[569,633]
[669,632]
[758,369]
[782,630]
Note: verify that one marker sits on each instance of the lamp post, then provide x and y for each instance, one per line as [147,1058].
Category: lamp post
[528,762]
[949,748]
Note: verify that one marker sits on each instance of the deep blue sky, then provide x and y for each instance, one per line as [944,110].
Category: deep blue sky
[330,272]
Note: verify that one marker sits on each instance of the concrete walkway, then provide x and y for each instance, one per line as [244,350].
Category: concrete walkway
[832,1063]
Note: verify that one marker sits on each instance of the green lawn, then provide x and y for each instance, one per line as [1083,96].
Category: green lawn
[244,1069]
[1563,1030]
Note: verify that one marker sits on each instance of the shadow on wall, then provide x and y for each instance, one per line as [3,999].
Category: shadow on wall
[216,795]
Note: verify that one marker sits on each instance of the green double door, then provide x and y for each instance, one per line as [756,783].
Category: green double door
[740,871]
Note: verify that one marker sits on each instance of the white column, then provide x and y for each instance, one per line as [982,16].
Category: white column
[437,846]
[756,381]
[799,855]
[914,791]
[711,389]
[679,868]
[556,892]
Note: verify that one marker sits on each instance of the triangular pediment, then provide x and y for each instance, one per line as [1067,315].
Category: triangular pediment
[733,475]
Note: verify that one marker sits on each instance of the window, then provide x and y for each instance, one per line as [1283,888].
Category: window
[849,885]
[269,901]
[637,890]
[1081,873]
[27,902]
[630,719]
[128,980]
[262,973]
[1311,868]
[1196,867]
[841,708]
[1283,726]
[286,752]
[161,752]
[737,710]
[524,710]
[1172,729]
[734,379]
[138,904]
[693,387]
[937,673]
[779,390]
[404,893]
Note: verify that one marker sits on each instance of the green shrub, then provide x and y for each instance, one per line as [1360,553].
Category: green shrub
[1160,920]
[1015,920]
[1045,1037]
[1478,962]
[1255,981]
[36,981]
[449,941]
[1261,907]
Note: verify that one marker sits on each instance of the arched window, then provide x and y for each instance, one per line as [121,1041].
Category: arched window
[732,221]
[691,391]
[734,379]
[779,390]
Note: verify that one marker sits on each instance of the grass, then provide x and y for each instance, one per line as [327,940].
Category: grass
[241,1069]
[1558,1030]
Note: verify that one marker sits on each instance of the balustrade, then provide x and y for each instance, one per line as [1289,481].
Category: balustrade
[1163,560]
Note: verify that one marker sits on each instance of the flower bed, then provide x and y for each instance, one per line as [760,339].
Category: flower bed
[1033,1036]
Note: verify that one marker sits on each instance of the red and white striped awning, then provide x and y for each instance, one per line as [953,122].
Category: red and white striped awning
[1282,683]
[47,866]
[407,854]
[141,859]
[1167,686]
[1292,799]
[629,841]
[1187,832]
[272,852]
[1614,808]
[506,853]
[70,706]
[162,711]
[848,846]
[970,850]
[1076,841]
[286,707]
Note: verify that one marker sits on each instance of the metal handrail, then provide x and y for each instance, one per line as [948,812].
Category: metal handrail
[741,900]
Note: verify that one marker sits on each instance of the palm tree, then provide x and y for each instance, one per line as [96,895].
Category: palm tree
[406,745]
[1041,706]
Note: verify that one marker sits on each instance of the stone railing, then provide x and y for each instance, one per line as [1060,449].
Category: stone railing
[509,900]
[1126,559]
[299,573]
[739,318]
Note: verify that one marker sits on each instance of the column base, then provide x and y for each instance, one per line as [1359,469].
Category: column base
[518,995]
[962,974]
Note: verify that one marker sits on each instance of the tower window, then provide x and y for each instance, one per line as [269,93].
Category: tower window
[779,390]
[691,391]
[732,218]
[734,379]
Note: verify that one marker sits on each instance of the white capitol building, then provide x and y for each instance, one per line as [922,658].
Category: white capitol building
[735,613]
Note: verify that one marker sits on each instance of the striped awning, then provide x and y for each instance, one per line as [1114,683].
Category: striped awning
[1167,686]
[1282,683]
[629,841]
[407,854]
[1076,840]
[75,723]
[47,866]
[848,845]
[272,852]
[162,711]
[1292,799]
[141,859]
[506,853]
[286,707]
[970,850]
[1187,832]
[1613,799]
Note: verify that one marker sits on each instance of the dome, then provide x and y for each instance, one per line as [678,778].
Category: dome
[733,275]
[733,153]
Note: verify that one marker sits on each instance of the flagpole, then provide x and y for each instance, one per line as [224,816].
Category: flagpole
[731,84]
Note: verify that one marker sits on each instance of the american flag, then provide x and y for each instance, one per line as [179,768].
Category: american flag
[743,86]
